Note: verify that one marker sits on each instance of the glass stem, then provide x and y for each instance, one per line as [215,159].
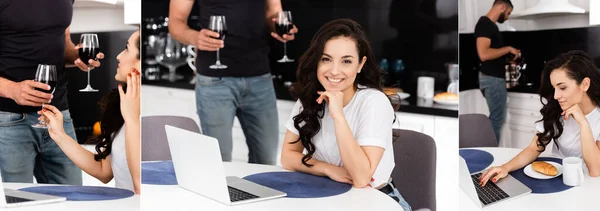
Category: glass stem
[218,57]
[284,49]
[88,73]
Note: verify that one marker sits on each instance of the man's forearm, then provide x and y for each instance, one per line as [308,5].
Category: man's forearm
[181,32]
[272,7]
[494,53]
[71,54]
[5,86]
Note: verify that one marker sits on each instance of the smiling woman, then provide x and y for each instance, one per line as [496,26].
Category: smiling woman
[342,117]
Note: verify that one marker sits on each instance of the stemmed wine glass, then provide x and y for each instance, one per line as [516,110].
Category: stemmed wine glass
[218,25]
[89,47]
[45,74]
[283,26]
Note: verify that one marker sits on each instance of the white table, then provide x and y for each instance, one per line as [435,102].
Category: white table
[580,198]
[129,203]
[167,197]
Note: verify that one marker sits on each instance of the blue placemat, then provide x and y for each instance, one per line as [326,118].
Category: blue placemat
[477,160]
[300,185]
[82,193]
[158,173]
[542,185]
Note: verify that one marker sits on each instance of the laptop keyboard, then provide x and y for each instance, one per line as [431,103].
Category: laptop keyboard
[489,193]
[12,199]
[239,195]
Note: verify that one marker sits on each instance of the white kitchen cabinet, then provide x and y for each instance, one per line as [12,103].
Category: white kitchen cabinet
[523,110]
[416,122]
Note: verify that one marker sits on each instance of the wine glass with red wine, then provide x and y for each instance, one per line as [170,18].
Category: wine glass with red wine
[45,74]
[89,47]
[218,25]
[283,26]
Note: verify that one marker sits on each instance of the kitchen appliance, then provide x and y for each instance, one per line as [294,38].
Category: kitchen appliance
[425,87]
[513,70]
[156,31]
[453,76]
[172,55]
[191,60]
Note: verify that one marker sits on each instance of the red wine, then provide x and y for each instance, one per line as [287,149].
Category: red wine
[222,34]
[85,54]
[282,29]
[52,87]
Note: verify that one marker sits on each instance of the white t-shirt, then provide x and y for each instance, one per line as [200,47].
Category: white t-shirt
[570,141]
[370,117]
[118,162]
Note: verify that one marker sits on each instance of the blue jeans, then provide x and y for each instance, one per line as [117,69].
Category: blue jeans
[494,91]
[252,100]
[396,195]
[26,151]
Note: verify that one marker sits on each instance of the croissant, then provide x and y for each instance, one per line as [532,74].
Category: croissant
[544,168]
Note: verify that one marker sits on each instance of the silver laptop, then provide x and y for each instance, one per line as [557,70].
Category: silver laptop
[492,193]
[199,169]
[16,198]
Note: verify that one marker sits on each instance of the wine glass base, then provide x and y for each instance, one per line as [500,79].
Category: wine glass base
[41,126]
[174,78]
[285,59]
[218,66]
[88,89]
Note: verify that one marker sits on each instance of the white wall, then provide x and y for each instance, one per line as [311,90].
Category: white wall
[473,9]
[99,20]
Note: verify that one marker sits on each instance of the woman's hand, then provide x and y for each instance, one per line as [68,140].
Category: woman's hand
[499,171]
[335,102]
[338,174]
[577,114]
[54,118]
[130,101]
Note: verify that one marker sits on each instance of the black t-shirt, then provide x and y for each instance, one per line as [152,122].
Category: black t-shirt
[32,32]
[487,28]
[246,49]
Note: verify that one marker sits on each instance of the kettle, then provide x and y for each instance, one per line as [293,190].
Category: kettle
[513,69]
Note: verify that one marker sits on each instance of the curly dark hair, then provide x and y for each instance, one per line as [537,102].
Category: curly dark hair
[305,88]
[111,119]
[578,66]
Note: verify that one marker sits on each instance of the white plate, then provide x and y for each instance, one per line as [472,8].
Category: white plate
[403,95]
[446,102]
[534,174]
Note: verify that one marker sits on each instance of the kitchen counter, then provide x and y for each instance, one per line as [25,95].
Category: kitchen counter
[525,89]
[409,105]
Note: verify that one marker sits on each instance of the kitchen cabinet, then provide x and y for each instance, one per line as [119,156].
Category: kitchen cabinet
[523,110]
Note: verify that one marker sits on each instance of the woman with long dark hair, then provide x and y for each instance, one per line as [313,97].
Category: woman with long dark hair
[341,116]
[118,145]
[570,94]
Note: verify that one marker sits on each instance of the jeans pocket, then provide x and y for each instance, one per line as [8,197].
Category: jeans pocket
[207,80]
[9,119]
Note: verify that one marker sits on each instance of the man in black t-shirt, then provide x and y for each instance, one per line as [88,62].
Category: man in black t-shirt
[491,51]
[32,33]
[245,88]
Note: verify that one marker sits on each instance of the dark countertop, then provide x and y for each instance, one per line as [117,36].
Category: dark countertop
[409,105]
[525,89]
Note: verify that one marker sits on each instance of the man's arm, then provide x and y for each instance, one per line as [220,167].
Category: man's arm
[179,10]
[71,53]
[272,7]
[486,53]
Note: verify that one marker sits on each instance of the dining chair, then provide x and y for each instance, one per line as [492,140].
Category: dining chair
[154,138]
[475,130]
[415,156]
